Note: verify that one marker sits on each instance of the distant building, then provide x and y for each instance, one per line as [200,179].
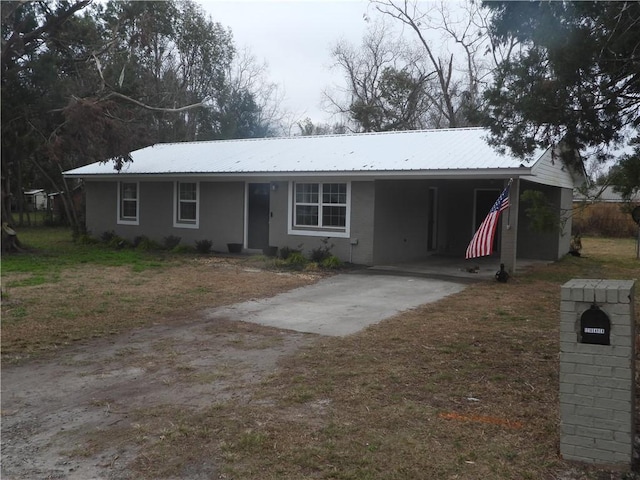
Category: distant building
[35,199]
[608,195]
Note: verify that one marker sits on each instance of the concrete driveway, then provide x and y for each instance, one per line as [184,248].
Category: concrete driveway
[340,305]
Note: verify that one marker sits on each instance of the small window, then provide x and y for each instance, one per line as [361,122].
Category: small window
[320,207]
[186,204]
[128,204]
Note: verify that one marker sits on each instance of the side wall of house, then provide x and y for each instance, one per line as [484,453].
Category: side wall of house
[221,214]
[546,244]
[357,248]
[101,206]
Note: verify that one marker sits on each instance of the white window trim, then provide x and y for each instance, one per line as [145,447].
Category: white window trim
[337,232]
[181,224]
[128,221]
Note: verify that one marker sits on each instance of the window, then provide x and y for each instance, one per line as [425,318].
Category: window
[128,204]
[186,204]
[320,207]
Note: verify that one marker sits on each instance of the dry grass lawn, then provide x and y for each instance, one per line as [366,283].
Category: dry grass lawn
[87,301]
[465,388]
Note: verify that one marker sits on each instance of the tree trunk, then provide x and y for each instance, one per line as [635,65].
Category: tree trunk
[70,205]
[20,194]
[5,195]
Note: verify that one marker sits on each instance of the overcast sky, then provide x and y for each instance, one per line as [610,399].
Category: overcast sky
[295,39]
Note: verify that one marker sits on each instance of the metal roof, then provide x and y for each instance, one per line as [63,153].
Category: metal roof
[445,150]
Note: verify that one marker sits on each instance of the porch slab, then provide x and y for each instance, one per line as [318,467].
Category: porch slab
[453,268]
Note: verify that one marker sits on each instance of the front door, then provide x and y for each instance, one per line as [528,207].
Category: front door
[258,215]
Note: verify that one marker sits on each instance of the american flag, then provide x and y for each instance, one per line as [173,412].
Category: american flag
[482,242]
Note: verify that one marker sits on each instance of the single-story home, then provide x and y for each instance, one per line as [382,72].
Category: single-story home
[377,198]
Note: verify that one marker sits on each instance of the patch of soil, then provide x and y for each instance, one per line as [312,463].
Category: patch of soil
[51,407]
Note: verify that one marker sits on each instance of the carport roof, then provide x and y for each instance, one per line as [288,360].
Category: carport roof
[448,151]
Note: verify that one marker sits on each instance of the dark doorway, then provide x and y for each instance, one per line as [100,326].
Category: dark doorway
[258,212]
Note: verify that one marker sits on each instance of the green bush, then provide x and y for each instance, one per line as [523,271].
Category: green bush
[107,236]
[203,246]
[138,240]
[284,252]
[331,262]
[118,242]
[296,260]
[321,253]
[113,240]
[170,242]
[144,243]
[540,211]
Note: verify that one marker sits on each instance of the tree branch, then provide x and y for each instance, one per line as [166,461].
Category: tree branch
[154,109]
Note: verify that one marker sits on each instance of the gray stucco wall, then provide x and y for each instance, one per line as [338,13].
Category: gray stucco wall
[389,218]
[400,227]
[221,212]
[101,207]
[362,222]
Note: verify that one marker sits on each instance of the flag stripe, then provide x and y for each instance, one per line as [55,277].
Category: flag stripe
[482,242]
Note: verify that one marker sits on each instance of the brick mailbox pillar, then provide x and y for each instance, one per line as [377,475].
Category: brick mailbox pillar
[597,372]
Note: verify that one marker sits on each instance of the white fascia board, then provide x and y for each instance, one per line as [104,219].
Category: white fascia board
[461,174]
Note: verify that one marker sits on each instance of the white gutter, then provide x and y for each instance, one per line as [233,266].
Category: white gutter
[491,173]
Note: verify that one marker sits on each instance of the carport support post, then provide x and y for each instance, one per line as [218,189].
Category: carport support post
[508,247]
[597,375]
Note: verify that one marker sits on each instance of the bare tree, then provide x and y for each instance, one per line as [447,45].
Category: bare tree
[451,61]
[247,74]
[386,84]
[441,67]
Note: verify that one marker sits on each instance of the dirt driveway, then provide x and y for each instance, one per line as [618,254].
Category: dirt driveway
[61,416]
[50,406]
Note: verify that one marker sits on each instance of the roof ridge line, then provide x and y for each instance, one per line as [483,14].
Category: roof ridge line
[332,135]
